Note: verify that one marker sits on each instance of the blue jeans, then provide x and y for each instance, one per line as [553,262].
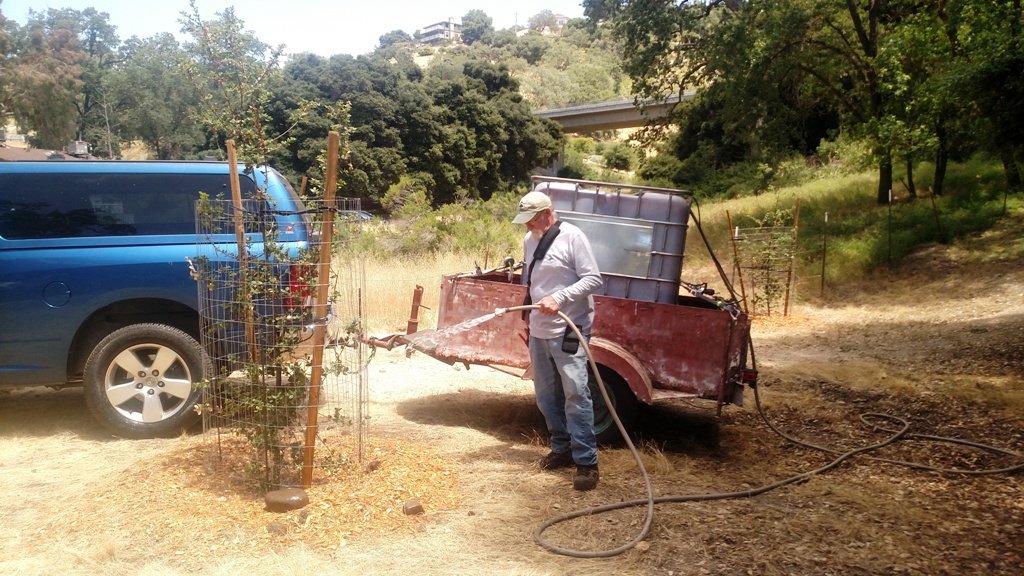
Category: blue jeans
[560,381]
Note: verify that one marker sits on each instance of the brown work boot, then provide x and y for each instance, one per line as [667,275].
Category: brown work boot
[585,478]
[555,460]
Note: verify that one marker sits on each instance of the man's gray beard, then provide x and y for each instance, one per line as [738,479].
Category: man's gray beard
[536,234]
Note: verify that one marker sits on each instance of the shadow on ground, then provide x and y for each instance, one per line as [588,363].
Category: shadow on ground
[679,428]
[40,412]
[514,418]
[507,417]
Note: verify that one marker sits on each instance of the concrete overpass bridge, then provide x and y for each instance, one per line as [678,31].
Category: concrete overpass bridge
[613,115]
[598,116]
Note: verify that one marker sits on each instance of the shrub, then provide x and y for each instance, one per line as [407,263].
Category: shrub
[844,155]
[576,166]
[660,170]
[582,145]
[415,228]
[619,156]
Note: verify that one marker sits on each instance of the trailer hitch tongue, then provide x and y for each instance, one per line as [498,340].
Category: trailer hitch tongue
[434,343]
[425,341]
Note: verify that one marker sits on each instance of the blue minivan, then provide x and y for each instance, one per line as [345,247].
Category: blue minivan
[95,286]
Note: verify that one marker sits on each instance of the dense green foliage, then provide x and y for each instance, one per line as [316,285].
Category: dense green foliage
[916,80]
[41,75]
[467,135]
[475,25]
[473,227]
[861,239]
[768,86]
[461,125]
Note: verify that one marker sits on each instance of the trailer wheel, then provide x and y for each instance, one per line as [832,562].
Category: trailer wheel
[623,401]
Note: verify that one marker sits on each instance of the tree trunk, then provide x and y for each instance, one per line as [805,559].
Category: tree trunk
[941,158]
[911,189]
[884,177]
[1010,168]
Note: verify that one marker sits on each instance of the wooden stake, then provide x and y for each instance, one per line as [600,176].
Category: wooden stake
[320,307]
[243,257]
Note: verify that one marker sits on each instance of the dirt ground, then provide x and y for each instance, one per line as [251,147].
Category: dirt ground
[936,342]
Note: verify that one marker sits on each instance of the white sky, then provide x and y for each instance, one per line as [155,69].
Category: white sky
[323,27]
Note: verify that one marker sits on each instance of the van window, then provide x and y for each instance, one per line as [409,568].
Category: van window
[63,205]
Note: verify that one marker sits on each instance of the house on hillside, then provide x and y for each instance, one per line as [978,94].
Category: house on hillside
[20,154]
[560,20]
[441,33]
[14,148]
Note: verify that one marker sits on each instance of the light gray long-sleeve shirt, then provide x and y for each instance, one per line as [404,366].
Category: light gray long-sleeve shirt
[568,273]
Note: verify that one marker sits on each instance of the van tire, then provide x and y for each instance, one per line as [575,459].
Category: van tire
[141,380]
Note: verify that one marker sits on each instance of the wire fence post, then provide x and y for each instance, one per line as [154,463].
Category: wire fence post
[736,256]
[282,402]
[938,223]
[765,257]
[792,257]
[824,253]
[889,225]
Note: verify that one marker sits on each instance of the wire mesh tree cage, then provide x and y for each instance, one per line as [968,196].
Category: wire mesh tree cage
[274,406]
[764,258]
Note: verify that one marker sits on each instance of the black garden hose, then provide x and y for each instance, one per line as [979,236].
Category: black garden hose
[870,419]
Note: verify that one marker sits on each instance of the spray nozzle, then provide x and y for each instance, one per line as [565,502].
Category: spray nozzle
[500,311]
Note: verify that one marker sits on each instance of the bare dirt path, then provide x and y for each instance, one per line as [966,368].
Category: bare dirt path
[938,342]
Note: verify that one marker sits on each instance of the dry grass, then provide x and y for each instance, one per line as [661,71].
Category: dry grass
[136,150]
[390,284]
[937,343]
[655,461]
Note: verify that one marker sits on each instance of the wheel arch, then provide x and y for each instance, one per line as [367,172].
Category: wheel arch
[125,313]
[616,358]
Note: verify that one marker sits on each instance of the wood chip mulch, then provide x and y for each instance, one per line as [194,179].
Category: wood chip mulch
[191,494]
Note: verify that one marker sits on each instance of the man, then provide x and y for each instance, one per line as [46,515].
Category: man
[561,277]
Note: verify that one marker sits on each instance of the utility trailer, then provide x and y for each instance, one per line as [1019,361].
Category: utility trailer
[654,337]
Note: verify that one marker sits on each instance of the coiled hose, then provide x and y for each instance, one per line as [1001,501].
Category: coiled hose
[870,419]
[649,519]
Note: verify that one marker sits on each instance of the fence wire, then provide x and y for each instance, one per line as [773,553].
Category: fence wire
[763,266]
[259,320]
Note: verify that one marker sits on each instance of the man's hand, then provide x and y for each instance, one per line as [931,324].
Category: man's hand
[548,306]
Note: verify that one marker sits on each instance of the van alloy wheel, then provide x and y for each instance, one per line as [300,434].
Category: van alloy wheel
[140,380]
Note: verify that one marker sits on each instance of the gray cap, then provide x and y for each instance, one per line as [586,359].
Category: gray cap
[530,205]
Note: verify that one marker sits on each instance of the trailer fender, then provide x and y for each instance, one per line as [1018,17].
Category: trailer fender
[618,359]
